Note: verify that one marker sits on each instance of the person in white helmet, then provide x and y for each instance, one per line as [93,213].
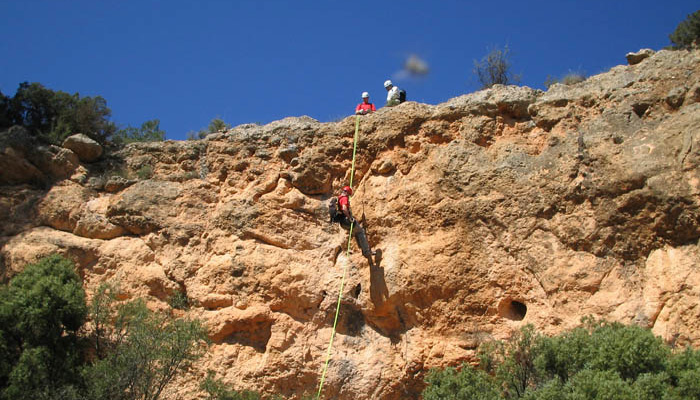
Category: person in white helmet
[392,96]
[365,107]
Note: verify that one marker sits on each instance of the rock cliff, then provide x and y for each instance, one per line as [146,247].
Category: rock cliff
[504,207]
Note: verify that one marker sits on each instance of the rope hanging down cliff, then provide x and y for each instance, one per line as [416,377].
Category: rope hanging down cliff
[345,269]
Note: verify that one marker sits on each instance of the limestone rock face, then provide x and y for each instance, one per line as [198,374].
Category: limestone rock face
[496,209]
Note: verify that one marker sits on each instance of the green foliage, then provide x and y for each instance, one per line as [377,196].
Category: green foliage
[41,311]
[54,115]
[179,301]
[148,132]
[218,125]
[145,352]
[136,352]
[596,384]
[5,120]
[215,125]
[687,32]
[145,172]
[495,68]
[599,360]
[218,390]
[627,350]
[466,384]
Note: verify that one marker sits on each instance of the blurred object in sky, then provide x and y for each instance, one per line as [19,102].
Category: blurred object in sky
[416,66]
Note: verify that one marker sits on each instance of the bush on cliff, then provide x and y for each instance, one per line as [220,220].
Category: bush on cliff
[148,132]
[495,69]
[687,32]
[54,115]
[598,360]
[51,116]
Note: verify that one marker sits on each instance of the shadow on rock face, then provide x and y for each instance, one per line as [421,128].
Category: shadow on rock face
[378,290]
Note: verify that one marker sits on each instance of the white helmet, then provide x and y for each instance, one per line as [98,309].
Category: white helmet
[365,95]
[387,83]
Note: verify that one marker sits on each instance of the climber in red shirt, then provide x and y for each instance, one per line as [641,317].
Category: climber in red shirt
[365,107]
[344,216]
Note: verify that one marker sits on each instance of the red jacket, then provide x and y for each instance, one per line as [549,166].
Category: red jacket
[343,202]
[366,107]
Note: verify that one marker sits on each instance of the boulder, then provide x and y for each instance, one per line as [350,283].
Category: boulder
[87,149]
[639,56]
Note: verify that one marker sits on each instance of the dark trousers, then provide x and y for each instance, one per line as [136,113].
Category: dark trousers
[359,233]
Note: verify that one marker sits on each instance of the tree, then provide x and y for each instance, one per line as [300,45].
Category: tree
[41,311]
[5,120]
[141,353]
[148,132]
[495,69]
[687,32]
[54,115]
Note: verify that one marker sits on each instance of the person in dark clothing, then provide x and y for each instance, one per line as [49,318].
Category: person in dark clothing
[344,217]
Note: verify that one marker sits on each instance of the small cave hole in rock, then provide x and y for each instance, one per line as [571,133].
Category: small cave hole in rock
[357,291]
[512,309]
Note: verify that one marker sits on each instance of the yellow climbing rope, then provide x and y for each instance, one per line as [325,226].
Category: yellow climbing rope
[345,269]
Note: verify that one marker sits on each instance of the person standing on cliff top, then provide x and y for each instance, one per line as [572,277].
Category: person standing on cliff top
[365,107]
[341,213]
[392,96]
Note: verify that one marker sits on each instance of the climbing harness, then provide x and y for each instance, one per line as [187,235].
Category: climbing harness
[345,269]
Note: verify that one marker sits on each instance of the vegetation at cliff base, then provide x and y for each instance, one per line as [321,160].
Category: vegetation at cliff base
[599,360]
[53,345]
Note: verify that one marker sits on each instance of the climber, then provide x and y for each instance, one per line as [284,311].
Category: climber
[365,107]
[392,96]
[341,213]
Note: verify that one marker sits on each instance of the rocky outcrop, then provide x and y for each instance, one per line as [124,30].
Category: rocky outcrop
[85,148]
[496,209]
[639,56]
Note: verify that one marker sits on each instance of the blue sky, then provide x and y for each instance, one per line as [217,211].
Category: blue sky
[187,62]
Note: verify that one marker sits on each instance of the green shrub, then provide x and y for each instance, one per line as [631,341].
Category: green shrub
[687,32]
[467,384]
[145,352]
[148,132]
[41,310]
[651,386]
[218,390]
[599,360]
[215,125]
[627,350]
[179,301]
[54,115]
[145,172]
[598,385]
[43,337]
